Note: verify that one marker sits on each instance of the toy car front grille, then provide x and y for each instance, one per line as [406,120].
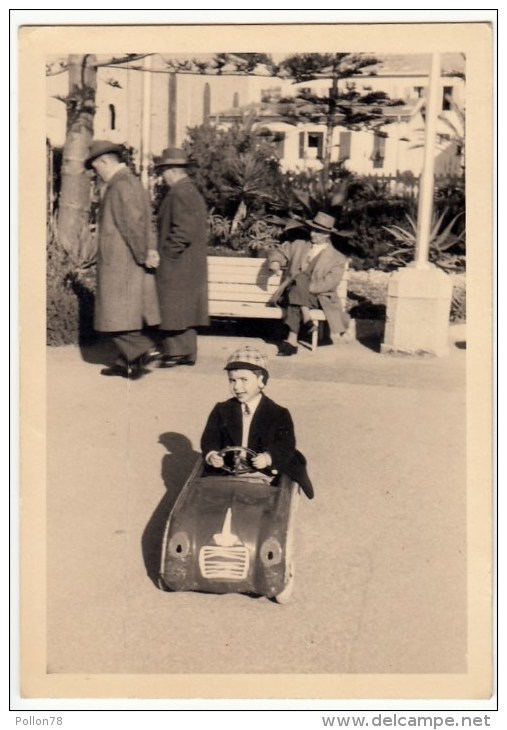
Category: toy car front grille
[223,563]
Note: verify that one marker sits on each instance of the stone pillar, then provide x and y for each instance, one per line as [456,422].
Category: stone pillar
[417,314]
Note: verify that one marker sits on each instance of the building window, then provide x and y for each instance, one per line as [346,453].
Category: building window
[447,99]
[235,100]
[418,91]
[344,145]
[315,145]
[206,105]
[112,117]
[311,145]
[274,93]
[379,151]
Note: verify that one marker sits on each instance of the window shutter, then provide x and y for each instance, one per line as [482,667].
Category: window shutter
[447,98]
[320,152]
[280,144]
[345,145]
[301,145]
[206,105]
[379,150]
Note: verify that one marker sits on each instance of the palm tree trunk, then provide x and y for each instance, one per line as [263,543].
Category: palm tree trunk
[330,125]
[239,216]
[75,196]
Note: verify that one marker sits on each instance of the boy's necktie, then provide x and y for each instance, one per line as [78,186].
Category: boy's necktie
[246,424]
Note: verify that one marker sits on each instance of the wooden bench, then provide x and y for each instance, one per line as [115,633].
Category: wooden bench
[241,287]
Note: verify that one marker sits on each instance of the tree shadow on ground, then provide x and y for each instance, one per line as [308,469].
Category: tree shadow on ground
[177,465]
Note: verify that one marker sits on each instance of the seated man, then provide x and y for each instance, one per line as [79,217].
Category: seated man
[312,271]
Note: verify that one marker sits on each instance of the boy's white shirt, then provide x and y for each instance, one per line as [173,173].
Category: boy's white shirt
[247,418]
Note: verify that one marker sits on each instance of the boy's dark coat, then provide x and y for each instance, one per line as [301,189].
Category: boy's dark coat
[271,430]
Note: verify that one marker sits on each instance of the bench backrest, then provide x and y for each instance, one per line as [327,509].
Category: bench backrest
[247,281]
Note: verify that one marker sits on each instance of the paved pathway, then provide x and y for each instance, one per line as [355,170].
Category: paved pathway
[381,550]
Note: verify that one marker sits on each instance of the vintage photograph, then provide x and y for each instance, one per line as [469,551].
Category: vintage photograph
[257,453]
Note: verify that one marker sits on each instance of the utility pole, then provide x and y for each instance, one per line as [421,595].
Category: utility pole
[427,183]
[146,121]
[419,295]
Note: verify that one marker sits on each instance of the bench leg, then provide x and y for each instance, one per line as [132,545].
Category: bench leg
[315,337]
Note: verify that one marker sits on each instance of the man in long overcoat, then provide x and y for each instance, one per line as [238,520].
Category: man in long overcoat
[182,276]
[312,271]
[126,296]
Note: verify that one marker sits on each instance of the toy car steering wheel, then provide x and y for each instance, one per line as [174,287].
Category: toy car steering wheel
[241,465]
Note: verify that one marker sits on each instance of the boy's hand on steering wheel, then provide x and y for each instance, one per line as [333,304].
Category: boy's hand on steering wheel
[215,460]
[261,461]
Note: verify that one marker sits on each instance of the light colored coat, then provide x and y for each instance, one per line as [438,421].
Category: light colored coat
[126,294]
[328,269]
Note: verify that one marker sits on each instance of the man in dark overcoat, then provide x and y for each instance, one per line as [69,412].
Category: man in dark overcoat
[182,276]
[126,296]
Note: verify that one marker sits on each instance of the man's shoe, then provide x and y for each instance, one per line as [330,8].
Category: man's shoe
[131,371]
[151,355]
[115,370]
[135,369]
[285,349]
[171,361]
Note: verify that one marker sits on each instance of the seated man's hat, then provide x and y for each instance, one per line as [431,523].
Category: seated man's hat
[323,222]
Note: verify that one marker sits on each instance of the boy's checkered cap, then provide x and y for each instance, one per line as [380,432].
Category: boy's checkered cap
[247,358]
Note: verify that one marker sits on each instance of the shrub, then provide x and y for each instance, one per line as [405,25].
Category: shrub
[459,299]
[233,168]
[441,241]
[69,296]
[62,307]
[367,293]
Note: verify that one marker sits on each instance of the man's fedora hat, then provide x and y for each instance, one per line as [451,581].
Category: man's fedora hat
[323,222]
[103,147]
[171,157]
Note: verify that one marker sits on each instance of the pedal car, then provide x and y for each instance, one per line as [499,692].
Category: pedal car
[231,531]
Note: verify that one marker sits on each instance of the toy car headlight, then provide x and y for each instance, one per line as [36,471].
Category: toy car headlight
[179,545]
[270,552]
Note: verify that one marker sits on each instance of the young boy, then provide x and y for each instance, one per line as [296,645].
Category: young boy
[252,420]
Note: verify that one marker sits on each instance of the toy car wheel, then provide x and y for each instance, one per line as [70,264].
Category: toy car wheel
[286,594]
[162,585]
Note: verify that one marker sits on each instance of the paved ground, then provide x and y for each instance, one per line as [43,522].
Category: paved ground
[381,573]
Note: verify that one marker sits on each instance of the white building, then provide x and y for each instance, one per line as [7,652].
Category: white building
[181,100]
[178,101]
[396,147]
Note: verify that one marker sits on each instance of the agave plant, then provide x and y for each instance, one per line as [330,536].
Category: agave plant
[263,235]
[441,240]
[248,179]
[220,226]
[306,194]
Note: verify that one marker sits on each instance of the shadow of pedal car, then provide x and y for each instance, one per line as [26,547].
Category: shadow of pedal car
[232,532]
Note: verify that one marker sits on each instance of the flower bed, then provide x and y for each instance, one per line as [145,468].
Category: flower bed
[368,295]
